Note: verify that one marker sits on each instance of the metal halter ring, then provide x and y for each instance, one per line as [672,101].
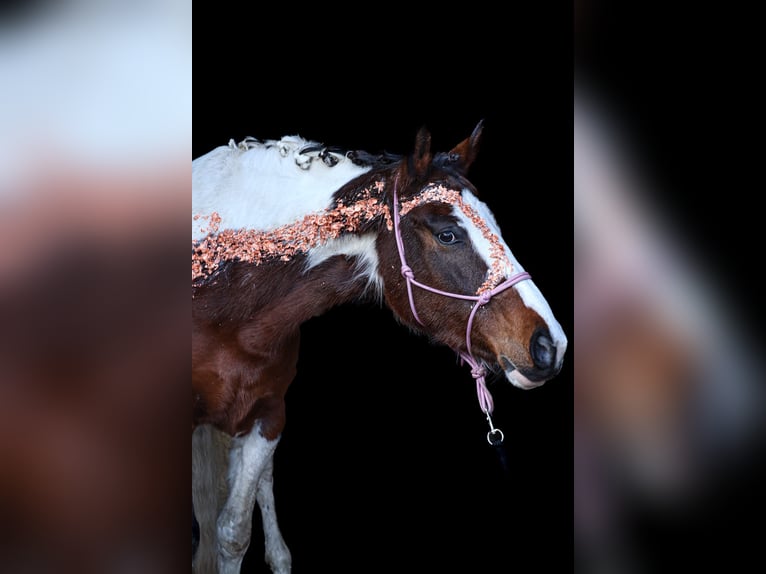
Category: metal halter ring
[495,442]
[493,431]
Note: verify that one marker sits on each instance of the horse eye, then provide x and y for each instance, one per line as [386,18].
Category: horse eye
[447,237]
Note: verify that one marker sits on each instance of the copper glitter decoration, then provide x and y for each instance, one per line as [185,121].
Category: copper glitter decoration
[286,241]
[497,253]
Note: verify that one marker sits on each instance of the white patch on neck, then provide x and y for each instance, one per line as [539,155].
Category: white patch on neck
[262,186]
[360,246]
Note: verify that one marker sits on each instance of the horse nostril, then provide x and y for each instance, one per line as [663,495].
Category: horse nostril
[542,349]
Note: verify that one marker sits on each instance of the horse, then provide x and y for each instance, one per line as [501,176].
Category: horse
[284,230]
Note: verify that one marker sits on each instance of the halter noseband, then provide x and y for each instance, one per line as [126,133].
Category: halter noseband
[477,369]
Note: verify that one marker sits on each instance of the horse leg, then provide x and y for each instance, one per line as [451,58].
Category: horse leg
[251,456]
[210,462]
[277,553]
[195,534]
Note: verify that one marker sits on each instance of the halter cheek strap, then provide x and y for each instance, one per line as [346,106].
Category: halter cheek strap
[495,436]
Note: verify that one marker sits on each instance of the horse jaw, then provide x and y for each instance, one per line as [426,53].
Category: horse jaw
[516,378]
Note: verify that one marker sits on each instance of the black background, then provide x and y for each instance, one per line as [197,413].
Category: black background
[384,463]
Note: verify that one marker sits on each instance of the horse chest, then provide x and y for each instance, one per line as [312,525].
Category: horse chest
[241,377]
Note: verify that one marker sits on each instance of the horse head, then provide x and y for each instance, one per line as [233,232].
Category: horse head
[448,273]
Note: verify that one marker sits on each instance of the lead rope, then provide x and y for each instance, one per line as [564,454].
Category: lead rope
[495,436]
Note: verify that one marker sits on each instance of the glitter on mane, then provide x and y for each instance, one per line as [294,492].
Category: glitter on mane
[286,241]
[285,230]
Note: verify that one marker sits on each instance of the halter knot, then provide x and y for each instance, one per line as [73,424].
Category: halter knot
[484,298]
[407,272]
[478,371]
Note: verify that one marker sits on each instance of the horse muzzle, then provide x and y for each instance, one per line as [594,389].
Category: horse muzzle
[546,352]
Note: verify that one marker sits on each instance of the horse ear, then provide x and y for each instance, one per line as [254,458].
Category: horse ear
[463,154]
[421,157]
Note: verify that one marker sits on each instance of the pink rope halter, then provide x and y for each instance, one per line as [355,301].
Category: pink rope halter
[477,369]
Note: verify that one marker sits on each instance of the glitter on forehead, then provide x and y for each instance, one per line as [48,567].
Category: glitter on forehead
[501,266]
[287,241]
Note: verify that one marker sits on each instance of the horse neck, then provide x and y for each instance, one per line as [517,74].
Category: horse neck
[323,257]
[346,227]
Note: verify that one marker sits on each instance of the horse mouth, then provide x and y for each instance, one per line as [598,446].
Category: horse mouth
[516,378]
